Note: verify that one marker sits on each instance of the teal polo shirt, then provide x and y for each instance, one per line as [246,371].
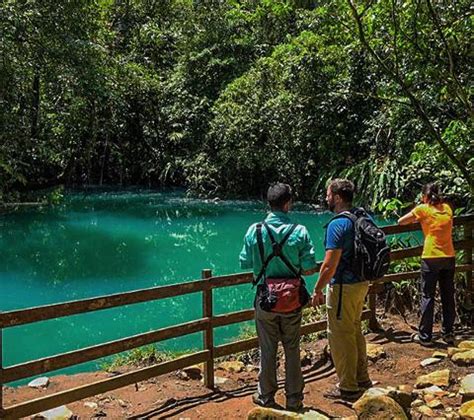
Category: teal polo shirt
[298,249]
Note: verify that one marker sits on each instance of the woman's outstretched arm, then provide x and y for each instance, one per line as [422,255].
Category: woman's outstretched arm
[407,219]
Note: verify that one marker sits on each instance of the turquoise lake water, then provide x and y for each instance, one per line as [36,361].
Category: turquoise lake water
[104,243]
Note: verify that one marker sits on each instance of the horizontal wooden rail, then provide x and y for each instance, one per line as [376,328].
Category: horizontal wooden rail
[416,251]
[232,318]
[63,360]
[43,313]
[407,275]
[64,397]
[251,343]
[395,229]
[230,280]
[48,364]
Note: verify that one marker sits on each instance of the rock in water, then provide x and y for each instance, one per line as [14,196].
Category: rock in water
[465,358]
[380,407]
[438,378]
[467,410]
[261,413]
[42,382]
[375,351]
[60,413]
[467,387]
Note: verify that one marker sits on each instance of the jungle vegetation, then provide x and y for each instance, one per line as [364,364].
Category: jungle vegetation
[223,97]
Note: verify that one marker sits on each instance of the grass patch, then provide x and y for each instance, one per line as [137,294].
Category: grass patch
[141,357]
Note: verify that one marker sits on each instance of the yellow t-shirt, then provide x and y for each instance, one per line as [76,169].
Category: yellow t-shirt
[437,224]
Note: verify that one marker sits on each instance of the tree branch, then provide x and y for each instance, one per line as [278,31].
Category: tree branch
[416,104]
[461,93]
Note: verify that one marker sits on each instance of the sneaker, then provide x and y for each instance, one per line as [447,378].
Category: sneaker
[258,400]
[417,339]
[449,339]
[298,406]
[340,394]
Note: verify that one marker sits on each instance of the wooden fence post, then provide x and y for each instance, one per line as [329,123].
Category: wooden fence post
[208,336]
[468,260]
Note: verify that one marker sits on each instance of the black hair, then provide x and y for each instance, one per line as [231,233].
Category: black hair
[343,188]
[431,191]
[278,195]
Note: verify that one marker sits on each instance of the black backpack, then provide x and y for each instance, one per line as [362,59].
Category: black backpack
[371,251]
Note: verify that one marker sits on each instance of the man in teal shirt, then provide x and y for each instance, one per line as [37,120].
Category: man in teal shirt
[273,327]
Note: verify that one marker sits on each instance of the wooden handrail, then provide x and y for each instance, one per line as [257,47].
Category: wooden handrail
[395,229]
[415,251]
[206,324]
[64,397]
[60,361]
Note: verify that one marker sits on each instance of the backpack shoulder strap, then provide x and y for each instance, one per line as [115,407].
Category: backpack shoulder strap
[347,214]
[278,246]
[261,250]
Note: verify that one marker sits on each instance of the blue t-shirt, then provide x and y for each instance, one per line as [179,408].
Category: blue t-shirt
[340,235]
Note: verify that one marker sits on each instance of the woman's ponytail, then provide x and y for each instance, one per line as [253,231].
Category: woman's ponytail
[431,191]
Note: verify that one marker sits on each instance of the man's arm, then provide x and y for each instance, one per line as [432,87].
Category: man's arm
[307,257]
[328,270]
[311,270]
[246,257]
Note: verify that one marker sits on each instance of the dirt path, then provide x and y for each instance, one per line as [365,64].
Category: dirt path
[173,398]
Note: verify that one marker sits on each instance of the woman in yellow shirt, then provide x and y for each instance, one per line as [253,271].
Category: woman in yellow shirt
[438,262]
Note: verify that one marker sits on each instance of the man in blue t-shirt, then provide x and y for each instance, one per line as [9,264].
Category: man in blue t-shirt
[347,343]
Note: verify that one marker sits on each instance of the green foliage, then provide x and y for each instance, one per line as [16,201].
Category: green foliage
[139,357]
[391,207]
[224,97]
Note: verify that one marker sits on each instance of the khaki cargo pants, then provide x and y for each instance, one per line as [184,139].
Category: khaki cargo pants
[347,343]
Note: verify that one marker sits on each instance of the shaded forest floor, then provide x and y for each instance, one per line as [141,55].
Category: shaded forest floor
[175,396]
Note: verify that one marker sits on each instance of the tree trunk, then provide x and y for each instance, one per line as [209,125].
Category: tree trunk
[35,103]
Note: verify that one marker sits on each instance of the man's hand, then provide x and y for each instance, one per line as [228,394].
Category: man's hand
[318,299]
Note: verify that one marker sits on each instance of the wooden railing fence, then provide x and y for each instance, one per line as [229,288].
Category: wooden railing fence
[206,324]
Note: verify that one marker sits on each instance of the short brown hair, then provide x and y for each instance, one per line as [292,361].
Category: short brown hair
[343,188]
